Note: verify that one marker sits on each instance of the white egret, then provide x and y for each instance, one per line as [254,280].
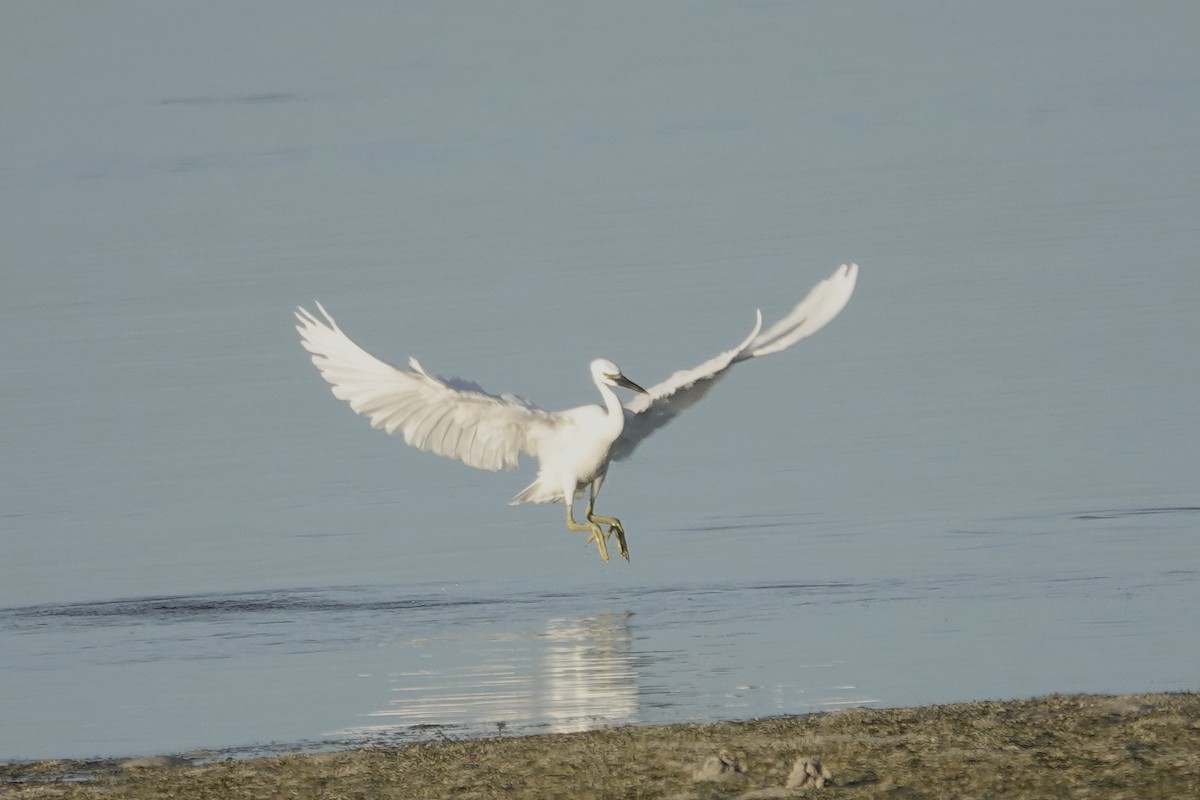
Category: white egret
[573,448]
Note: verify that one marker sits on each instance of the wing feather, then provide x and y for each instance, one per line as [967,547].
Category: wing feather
[453,418]
[647,413]
[818,308]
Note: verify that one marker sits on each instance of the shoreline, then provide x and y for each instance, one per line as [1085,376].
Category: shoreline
[1134,745]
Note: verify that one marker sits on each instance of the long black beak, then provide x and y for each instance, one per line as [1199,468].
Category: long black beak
[621,380]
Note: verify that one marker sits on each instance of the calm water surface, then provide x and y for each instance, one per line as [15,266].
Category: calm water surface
[980,481]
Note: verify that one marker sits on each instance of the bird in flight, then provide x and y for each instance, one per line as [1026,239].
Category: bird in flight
[458,419]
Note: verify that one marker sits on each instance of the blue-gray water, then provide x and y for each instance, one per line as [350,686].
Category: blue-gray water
[980,481]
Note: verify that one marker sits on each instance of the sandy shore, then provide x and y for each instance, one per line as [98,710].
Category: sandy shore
[1130,746]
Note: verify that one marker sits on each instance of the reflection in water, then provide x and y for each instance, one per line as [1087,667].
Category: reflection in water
[574,675]
[589,674]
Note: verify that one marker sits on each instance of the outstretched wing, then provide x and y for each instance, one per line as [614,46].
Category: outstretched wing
[645,414]
[452,418]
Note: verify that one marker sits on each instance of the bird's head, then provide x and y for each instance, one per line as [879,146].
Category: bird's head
[606,372]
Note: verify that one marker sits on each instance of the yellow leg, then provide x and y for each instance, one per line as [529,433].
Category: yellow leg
[597,533]
[614,526]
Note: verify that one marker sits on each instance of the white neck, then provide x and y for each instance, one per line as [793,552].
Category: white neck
[612,404]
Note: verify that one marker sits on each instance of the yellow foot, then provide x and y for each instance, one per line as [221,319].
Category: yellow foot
[621,546]
[598,536]
[614,529]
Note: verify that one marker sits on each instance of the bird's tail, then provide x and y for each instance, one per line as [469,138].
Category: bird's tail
[536,492]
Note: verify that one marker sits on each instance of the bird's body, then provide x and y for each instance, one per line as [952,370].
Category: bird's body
[574,455]
[573,448]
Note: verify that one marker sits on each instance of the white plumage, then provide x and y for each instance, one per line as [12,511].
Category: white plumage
[458,419]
